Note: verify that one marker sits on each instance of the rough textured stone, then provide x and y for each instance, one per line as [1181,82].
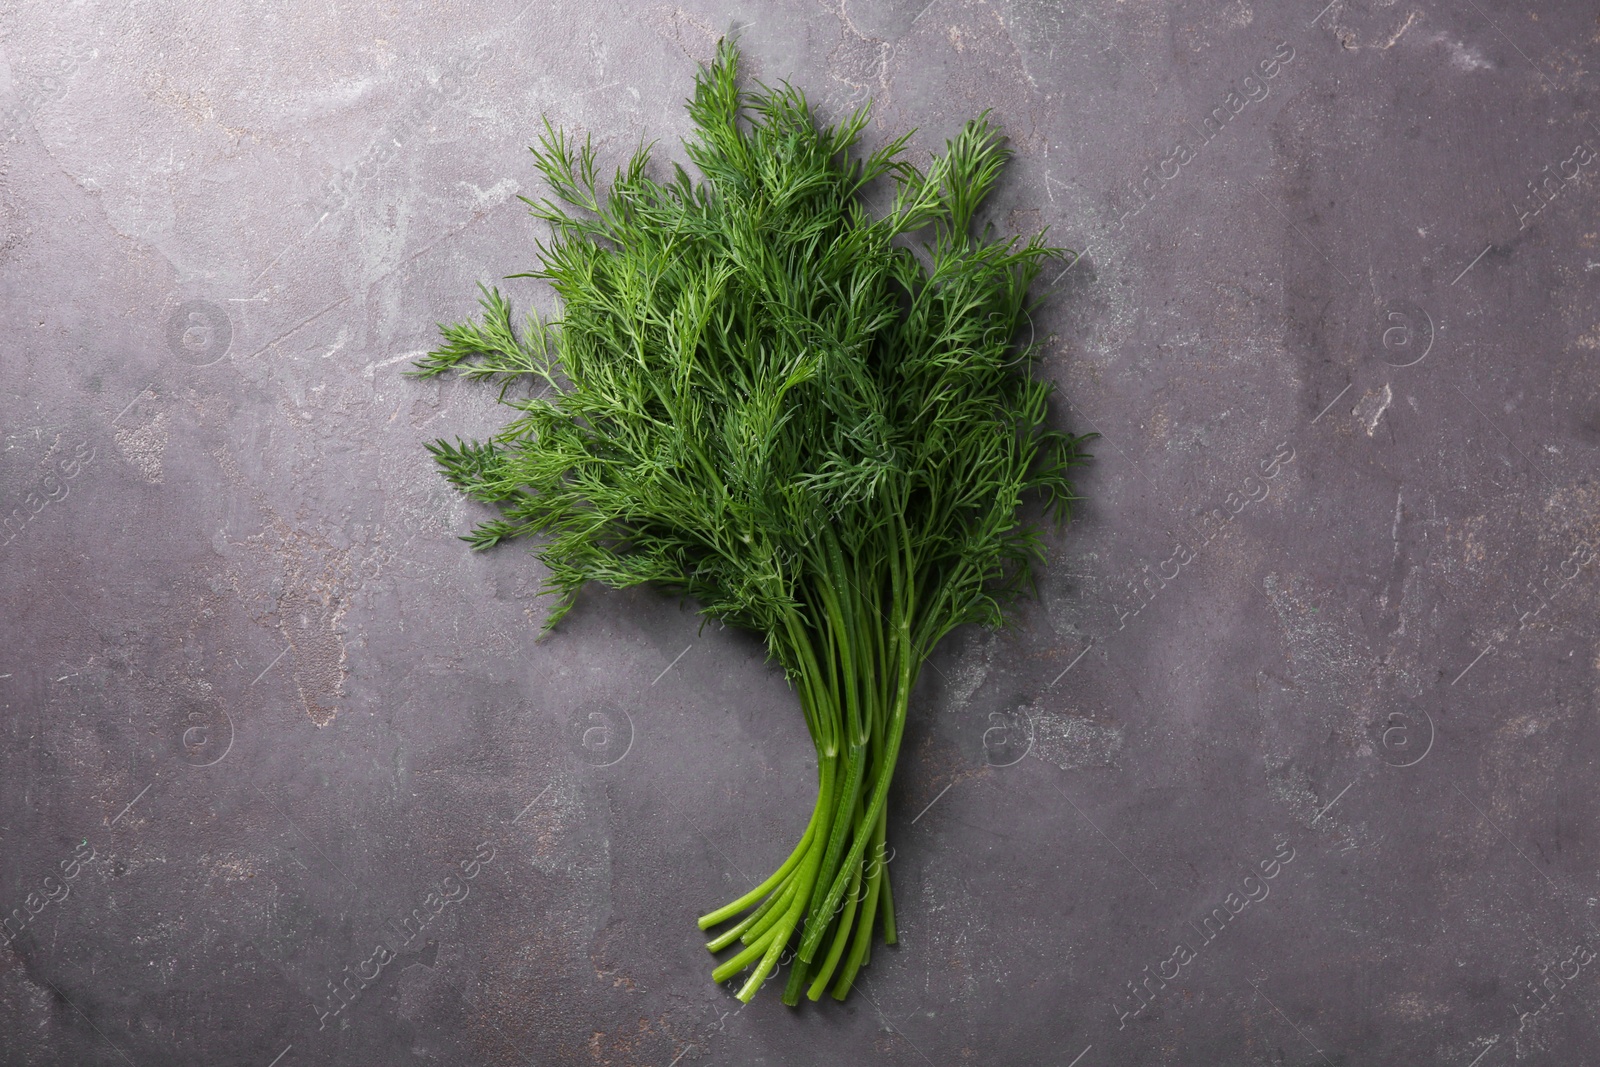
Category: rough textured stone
[1328,611]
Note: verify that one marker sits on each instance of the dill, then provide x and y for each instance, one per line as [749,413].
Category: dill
[813,423]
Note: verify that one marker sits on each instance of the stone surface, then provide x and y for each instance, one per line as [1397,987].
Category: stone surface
[1328,611]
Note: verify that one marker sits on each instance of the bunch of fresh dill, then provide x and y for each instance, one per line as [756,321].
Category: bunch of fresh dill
[814,423]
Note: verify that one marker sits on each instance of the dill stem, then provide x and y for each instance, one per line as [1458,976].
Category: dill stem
[781,901]
[842,931]
[845,803]
[733,933]
[889,935]
[841,937]
[884,767]
[861,948]
[778,936]
[744,959]
[764,968]
[729,910]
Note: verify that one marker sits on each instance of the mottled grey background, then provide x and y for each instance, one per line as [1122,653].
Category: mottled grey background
[1331,596]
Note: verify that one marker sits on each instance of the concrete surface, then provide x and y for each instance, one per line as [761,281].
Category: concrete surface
[1328,613]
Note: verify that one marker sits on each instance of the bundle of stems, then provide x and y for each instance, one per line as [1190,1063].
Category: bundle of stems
[812,422]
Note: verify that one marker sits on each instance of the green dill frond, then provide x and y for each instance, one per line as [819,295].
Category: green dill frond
[810,421]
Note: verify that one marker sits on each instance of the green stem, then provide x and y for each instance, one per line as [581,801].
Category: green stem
[780,934]
[818,814]
[780,902]
[841,936]
[891,751]
[889,936]
[730,935]
[826,738]
[836,594]
[798,970]
[801,890]
[846,803]
[768,961]
[880,796]
[861,949]
[746,930]
[742,960]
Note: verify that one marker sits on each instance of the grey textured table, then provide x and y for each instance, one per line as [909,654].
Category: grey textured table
[1291,763]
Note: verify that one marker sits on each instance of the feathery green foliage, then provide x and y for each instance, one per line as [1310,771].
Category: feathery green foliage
[815,423]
